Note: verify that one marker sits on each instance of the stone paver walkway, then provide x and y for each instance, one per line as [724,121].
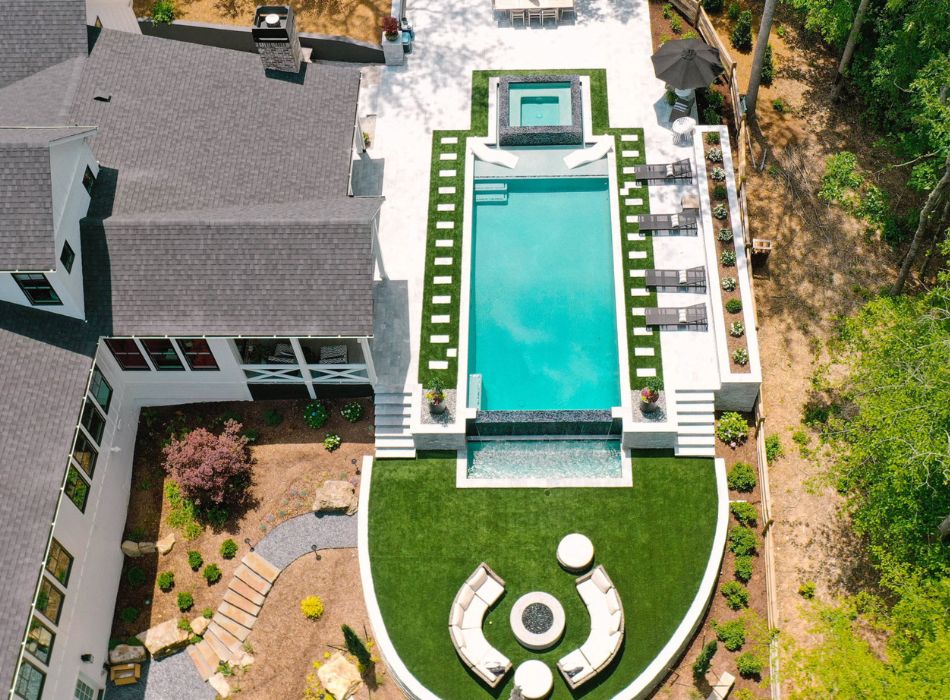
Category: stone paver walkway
[294,538]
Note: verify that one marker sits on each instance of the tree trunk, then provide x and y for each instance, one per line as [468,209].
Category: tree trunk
[937,200]
[849,49]
[765,28]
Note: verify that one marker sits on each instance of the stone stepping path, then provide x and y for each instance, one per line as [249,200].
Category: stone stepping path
[252,581]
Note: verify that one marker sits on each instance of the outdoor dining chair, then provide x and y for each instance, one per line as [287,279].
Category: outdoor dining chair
[519,15]
[549,13]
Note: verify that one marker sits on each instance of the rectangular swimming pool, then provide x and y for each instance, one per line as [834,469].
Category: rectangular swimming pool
[540,104]
[542,317]
[544,459]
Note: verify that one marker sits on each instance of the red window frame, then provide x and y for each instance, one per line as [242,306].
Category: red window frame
[197,354]
[127,354]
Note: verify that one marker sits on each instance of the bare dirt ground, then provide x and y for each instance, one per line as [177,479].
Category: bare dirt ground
[356,19]
[286,644]
[290,462]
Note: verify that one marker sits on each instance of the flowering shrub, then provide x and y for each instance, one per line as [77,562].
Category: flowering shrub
[390,27]
[718,174]
[729,283]
[724,235]
[732,428]
[315,414]
[720,211]
[728,258]
[332,442]
[312,607]
[714,154]
[651,390]
[211,469]
[352,411]
[736,329]
[741,356]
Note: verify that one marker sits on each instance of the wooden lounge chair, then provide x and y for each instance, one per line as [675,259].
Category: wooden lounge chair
[676,317]
[693,278]
[680,170]
[682,107]
[673,224]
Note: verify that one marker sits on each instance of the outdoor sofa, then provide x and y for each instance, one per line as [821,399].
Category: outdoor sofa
[684,222]
[680,170]
[606,629]
[678,317]
[692,278]
[479,592]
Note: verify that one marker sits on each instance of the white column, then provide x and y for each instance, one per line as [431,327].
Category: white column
[304,369]
[368,359]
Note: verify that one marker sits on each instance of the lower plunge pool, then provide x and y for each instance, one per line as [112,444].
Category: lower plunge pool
[544,459]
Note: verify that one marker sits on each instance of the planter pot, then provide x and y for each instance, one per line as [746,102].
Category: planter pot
[437,409]
[648,406]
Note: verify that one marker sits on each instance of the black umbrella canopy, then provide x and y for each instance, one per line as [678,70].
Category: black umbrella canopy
[687,64]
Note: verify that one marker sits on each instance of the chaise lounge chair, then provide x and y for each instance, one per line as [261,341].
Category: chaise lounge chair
[674,224]
[693,278]
[680,170]
[475,597]
[677,317]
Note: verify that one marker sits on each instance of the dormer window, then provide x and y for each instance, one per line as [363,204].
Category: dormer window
[67,257]
[37,289]
[89,180]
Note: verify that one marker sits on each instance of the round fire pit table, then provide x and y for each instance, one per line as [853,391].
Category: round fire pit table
[537,621]
[535,679]
[575,552]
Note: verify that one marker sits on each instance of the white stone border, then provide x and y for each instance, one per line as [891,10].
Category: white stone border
[642,685]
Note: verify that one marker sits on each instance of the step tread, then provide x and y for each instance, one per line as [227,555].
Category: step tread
[217,646]
[388,409]
[392,419]
[395,454]
[252,579]
[239,632]
[233,649]
[696,440]
[390,430]
[202,655]
[244,591]
[699,407]
[697,429]
[694,395]
[392,439]
[232,612]
[260,566]
[695,451]
[234,598]
[697,418]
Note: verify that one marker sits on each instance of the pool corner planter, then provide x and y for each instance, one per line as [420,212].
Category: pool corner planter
[393,52]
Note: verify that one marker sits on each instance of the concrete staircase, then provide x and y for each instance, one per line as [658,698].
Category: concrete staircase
[695,423]
[235,617]
[393,412]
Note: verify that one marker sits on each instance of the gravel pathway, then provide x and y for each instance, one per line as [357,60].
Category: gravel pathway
[174,676]
[292,539]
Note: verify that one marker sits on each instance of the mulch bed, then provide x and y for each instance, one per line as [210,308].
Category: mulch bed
[290,463]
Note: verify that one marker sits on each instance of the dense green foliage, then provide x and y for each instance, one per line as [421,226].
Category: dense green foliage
[768,66]
[194,560]
[742,540]
[741,36]
[704,660]
[228,548]
[731,633]
[900,66]
[732,428]
[743,568]
[744,512]
[736,595]
[166,581]
[741,477]
[357,647]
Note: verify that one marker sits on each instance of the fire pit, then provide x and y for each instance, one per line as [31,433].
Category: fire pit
[537,620]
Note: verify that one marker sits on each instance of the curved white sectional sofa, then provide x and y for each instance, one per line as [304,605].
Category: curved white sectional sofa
[477,594]
[606,629]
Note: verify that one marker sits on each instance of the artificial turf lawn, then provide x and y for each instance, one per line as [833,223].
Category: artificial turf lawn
[426,537]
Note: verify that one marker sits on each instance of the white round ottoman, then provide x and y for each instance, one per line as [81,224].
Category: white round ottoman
[534,678]
[575,552]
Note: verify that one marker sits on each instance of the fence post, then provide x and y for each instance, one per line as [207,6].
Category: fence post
[699,8]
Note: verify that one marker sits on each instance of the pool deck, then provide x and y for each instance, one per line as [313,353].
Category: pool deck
[433,90]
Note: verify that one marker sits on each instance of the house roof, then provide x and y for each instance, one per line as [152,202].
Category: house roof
[36,35]
[27,234]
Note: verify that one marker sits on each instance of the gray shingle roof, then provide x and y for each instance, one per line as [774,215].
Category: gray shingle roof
[36,35]
[27,236]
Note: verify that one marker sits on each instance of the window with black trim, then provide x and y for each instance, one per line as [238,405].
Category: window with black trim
[83,691]
[59,562]
[77,488]
[37,289]
[29,682]
[100,389]
[39,640]
[85,454]
[162,354]
[89,180]
[67,257]
[126,352]
[93,422]
[49,601]
[197,353]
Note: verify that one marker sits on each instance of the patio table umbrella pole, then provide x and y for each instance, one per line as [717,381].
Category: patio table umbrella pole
[687,64]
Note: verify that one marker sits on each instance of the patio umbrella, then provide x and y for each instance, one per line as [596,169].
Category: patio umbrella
[687,64]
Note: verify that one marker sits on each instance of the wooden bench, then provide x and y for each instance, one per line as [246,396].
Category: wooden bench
[125,674]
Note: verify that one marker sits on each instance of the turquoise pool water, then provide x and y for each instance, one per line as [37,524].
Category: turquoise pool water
[544,459]
[542,328]
[539,104]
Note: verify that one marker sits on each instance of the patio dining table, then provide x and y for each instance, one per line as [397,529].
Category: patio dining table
[509,5]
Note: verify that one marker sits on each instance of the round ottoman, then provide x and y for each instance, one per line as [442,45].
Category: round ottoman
[575,552]
[534,678]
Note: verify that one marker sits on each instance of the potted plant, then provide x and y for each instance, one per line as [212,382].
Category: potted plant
[391,28]
[650,394]
[436,397]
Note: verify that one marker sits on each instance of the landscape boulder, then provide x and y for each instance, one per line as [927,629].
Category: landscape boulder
[339,677]
[220,685]
[165,544]
[127,654]
[131,549]
[335,496]
[164,638]
[147,548]
[200,624]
